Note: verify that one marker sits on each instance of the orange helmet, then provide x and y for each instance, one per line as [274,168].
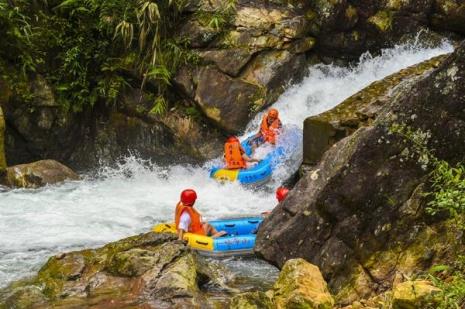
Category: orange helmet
[273,113]
[281,193]
[232,139]
[188,197]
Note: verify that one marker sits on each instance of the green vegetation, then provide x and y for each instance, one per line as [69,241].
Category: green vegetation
[446,195]
[451,281]
[217,18]
[90,50]
[447,183]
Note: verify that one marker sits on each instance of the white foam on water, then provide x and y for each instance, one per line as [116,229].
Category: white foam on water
[130,198]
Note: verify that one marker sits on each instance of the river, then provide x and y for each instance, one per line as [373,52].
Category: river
[128,199]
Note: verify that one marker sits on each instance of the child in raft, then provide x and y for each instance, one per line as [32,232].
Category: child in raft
[188,219]
[234,155]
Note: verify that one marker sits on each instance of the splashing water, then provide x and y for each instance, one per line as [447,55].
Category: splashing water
[130,198]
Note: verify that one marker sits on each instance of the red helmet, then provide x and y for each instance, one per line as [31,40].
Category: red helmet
[281,193]
[232,139]
[188,197]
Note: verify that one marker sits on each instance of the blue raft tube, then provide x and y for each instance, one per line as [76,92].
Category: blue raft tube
[239,241]
[254,175]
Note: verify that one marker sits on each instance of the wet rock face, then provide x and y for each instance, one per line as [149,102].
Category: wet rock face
[145,271]
[42,129]
[359,214]
[361,109]
[225,101]
[37,174]
[449,15]
[39,129]
[246,64]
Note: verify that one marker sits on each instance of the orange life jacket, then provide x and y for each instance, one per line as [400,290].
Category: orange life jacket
[269,131]
[196,224]
[233,155]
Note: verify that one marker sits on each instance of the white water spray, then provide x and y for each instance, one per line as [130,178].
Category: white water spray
[129,199]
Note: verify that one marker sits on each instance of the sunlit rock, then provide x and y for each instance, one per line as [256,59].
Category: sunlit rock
[414,294]
[301,285]
[38,174]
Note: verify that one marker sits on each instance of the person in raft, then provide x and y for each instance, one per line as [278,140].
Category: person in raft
[234,155]
[269,128]
[188,219]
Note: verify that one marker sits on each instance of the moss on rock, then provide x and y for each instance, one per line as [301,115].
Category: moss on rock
[323,130]
[414,294]
[144,271]
[382,20]
[251,300]
[301,285]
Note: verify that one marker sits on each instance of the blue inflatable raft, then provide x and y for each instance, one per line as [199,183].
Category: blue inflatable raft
[257,174]
[240,239]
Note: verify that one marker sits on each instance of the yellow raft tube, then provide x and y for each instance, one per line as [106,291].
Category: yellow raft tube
[240,239]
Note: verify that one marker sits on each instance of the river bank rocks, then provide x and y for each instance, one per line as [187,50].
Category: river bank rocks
[300,285]
[359,215]
[37,174]
[145,271]
[361,109]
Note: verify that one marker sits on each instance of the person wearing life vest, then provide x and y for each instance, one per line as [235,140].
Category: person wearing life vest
[188,220]
[269,128]
[234,155]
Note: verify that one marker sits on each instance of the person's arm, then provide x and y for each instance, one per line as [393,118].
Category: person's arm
[183,226]
[249,159]
[180,234]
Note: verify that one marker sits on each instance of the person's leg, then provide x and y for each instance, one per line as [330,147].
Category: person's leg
[211,231]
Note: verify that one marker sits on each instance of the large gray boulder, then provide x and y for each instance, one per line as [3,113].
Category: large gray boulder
[359,214]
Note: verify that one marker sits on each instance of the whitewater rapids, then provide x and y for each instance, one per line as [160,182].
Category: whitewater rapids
[130,198]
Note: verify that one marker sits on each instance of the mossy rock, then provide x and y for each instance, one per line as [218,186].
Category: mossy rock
[323,130]
[301,285]
[415,294]
[251,300]
[147,268]
[382,20]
